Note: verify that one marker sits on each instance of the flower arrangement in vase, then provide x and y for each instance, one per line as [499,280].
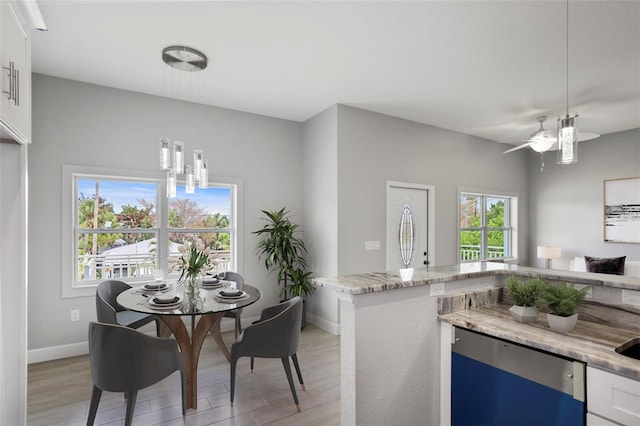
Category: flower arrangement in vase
[194,261]
[524,296]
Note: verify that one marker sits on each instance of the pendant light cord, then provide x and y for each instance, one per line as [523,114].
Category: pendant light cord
[567,65]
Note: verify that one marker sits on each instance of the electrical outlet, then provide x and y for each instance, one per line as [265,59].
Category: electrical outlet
[436,289]
[75,315]
[631,297]
[589,294]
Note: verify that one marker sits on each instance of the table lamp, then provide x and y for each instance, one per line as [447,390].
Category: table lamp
[548,253]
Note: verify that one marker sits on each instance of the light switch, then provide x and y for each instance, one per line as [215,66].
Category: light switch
[371,245]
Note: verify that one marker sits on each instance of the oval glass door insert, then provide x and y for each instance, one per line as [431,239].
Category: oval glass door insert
[406,234]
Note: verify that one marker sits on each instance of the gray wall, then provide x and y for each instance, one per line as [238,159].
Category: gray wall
[330,172]
[375,148]
[567,201]
[82,124]
[320,141]
[13,291]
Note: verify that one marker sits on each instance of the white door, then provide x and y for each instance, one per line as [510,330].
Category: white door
[416,198]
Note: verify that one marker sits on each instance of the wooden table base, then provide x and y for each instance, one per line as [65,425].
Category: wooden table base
[191,345]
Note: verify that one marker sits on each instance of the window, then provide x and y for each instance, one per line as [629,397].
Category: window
[486,226]
[124,227]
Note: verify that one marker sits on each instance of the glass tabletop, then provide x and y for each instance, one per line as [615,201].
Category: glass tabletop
[139,300]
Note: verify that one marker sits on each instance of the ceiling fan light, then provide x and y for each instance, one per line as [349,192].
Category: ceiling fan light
[567,140]
[542,140]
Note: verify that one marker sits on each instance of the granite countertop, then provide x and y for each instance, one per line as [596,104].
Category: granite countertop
[384,281]
[600,329]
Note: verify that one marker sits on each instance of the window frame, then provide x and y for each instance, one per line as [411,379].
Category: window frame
[511,219]
[73,288]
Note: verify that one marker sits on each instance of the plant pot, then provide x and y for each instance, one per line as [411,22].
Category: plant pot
[562,324]
[524,313]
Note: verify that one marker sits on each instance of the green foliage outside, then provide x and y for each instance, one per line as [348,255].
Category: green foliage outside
[182,214]
[471,218]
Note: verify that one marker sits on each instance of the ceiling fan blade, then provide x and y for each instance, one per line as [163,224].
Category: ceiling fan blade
[584,136]
[524,145]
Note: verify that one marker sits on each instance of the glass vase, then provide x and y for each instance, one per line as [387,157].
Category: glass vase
[192,292]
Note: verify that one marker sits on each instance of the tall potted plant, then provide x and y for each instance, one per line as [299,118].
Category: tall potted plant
[283,250]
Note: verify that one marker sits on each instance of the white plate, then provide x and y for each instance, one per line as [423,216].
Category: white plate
[238,294]
[166,305]
[231,299]
[213,281]
[154,287]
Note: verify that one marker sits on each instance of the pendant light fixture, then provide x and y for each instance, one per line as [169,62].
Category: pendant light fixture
[172,155]
[567,131]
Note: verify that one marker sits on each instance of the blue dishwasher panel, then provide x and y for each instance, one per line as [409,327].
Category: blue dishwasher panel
[485,395]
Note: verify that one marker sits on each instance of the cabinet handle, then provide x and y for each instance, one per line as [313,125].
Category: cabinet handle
[9,70]
[16,88]
[14,82]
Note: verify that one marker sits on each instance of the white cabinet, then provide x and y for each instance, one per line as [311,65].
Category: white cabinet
[612,397]
[15,81]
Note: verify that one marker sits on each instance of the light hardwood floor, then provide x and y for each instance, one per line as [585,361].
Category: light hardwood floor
[59,391]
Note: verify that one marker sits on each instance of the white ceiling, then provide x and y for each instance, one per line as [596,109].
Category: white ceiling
[485,68]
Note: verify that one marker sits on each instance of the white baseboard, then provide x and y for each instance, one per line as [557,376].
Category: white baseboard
[57,352]
[82,348]
[328,326]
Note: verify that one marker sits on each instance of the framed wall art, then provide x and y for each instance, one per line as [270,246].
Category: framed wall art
[622,210]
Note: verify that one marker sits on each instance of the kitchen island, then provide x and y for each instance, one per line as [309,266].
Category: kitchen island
[391,336]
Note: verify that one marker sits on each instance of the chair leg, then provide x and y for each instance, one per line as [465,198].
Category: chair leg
[131,405]
[238,327]
[93,407]
[233,378]
[287,370]
[294,357]
[252,364]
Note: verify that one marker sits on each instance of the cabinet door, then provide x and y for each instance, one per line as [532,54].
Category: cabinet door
[613,397]
[16,76]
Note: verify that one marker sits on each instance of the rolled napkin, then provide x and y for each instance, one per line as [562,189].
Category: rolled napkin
[230,293]
[154,286]
[163,301]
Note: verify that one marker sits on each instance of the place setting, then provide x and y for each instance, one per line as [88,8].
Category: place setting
[230,295]
[165,301]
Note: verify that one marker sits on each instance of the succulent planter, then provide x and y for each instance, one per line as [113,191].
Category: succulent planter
[562,324]
[524,314]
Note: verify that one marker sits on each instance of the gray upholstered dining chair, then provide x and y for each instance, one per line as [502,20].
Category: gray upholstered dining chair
[275,335]
[109,310]
[126,360]
[236,313]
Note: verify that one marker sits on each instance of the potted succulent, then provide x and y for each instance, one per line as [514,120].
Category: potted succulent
[524,296]
[563,301]
[283,250]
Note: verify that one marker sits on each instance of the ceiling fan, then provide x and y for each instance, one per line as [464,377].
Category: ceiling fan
[543,140]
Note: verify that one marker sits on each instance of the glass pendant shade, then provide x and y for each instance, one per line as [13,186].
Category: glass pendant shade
[171,183]
[567,140]
[204,175]
[190,184]
[198,156]
[178,157]
[165,154]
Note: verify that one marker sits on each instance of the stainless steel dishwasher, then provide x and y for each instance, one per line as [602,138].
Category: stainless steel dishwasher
[496,382]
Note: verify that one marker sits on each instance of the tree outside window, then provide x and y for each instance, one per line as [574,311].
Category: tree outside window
[485,227]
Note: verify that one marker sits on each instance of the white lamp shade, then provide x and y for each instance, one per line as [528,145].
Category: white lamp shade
[546,252]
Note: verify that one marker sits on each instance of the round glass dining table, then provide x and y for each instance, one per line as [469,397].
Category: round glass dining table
[205,316]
